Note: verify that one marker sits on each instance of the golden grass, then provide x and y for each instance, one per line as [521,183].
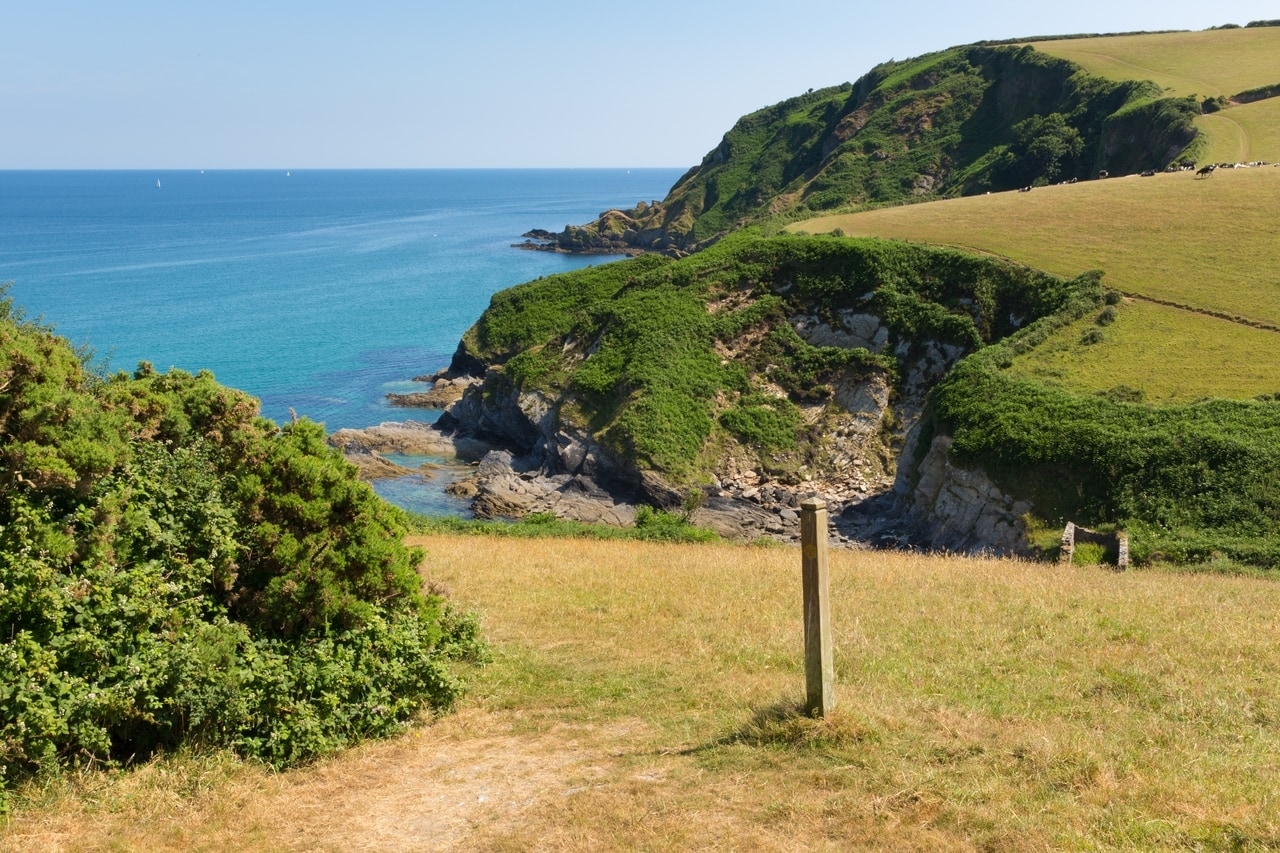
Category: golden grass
[1208,244]
[642,697]
[1208,63]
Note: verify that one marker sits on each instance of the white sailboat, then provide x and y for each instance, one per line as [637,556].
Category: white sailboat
[157,183]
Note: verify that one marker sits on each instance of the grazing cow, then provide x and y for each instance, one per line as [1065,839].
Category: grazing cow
[1104,174]
[1205,171]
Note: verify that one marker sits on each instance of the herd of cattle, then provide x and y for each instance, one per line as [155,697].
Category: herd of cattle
[1202,172]
[1206,171]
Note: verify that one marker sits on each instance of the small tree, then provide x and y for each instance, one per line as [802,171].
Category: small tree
[1043,148]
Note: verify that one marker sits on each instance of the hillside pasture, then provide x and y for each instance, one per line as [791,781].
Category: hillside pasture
[645,697]
[1242,133]
[1207,246]
[1208,63]
[1160,351]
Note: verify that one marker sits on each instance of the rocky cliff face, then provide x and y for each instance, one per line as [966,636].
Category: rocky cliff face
[729,385]
[544,464]
[951,508]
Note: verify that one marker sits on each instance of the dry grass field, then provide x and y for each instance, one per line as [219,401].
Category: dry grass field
[644,697]
[1207,246]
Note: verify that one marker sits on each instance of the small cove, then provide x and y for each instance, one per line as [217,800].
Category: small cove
[318,292]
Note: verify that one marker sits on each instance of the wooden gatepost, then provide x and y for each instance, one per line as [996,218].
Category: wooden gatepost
[819,658]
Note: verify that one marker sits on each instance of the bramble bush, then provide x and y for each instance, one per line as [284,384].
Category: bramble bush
[175,570]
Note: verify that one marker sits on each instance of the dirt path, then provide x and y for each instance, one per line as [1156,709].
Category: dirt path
[444,787]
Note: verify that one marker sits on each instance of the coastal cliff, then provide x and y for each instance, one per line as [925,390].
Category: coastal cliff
[729,385]
[972,119]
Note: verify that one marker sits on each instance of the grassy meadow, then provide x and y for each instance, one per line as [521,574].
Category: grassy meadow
[1242,134]
[1208,63]
[1203,246]
[644,696]
[1161,351]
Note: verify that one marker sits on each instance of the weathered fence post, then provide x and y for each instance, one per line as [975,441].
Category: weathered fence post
[819,661]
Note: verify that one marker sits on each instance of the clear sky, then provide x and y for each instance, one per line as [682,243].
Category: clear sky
[468,83]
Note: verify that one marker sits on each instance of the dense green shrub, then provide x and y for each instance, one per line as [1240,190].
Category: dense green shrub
[175,569]
[763,420]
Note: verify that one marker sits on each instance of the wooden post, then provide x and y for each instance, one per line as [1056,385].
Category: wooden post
[819,662]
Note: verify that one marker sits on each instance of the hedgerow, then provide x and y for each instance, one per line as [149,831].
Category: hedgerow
[1193,483]
[176,570]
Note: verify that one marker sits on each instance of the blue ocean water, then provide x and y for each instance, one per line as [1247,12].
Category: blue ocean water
[316,291]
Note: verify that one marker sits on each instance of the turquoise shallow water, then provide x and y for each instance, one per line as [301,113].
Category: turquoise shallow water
[316,291]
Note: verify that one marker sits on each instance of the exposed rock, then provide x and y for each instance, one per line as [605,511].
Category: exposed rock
[503,490]
[855,330]
[961,509]
[858,446]
[411,438]
[372,465]
[447,387]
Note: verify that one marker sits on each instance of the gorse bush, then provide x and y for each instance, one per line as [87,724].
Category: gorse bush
[175,569]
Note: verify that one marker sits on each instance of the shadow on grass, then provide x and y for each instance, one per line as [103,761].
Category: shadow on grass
[787,725]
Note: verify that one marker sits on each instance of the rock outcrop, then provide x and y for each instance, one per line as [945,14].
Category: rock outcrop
[446,388]
[952,508]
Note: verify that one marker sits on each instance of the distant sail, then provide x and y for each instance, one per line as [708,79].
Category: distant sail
[157,183]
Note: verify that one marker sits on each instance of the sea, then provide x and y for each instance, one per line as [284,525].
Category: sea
[317,291]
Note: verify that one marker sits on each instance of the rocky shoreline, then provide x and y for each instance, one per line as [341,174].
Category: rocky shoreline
[938,507]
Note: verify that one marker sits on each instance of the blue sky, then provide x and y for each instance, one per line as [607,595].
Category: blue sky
[463,84]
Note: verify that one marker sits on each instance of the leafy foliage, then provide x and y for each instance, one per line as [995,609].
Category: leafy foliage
[770,422]
[637,352]
[175,569]
[1044,147]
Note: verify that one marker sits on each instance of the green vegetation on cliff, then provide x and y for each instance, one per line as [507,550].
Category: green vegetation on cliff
[655,357]
[1197,483]
[961,121]
[176,570]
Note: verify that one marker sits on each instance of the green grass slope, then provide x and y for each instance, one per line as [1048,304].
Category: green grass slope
[1205,243]
[1243,133]
[1206,247]
[1064,414]
[1206,64]
[1232,65]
